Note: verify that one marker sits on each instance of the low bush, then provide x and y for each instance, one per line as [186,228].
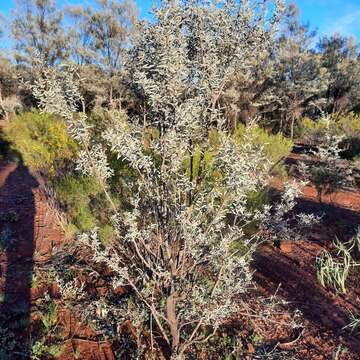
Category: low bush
[83,201]
[41,139]
[347,126]
[75,194]
[276,147]
[329,175]
[311,130]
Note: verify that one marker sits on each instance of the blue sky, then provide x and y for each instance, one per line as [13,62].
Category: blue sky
[328,16]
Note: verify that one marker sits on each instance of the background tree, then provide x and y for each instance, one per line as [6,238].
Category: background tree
[248,94]
[340,57]
[37,26]
[299,79]
[79,34]
[101,36]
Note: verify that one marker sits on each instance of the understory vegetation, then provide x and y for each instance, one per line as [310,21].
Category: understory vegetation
[158,144]
[41,139]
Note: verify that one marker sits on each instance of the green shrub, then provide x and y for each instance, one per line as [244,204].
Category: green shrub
[201,158]
[347,126]
[41,139]
[107,234]
[311,130]
[257,199]
[75,194]
[357,161]
[73,189]
[276,147]
[83,218]
[83,201]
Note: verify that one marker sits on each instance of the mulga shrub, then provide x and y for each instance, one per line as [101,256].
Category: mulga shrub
[41,139]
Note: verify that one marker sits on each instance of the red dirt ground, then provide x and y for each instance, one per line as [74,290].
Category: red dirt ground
[293,268]
[324,313]
[37,234]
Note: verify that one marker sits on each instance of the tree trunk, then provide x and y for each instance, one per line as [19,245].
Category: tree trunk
[173,322]
[111,97]
[191,170]
[292,128]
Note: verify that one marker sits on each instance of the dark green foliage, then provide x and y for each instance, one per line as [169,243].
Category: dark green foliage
[83,201]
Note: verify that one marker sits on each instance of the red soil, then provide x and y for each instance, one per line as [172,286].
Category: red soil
[37,235]
[293,268]
[325,314]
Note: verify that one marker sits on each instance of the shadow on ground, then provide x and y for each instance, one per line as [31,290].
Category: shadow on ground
[17,219]
[325,313]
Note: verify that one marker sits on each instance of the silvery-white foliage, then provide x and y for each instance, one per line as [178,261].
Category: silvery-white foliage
[93,162]
[279,223]
[70,291]
[56,90]
[182,246]
[329,174]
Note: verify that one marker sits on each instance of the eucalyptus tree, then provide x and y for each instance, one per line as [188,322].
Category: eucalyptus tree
[93,79]
[340,56]
[182,243]
[37,26]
